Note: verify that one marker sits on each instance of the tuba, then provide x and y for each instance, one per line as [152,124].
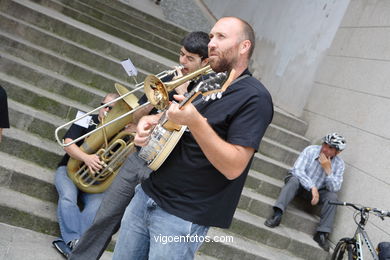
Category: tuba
[109,141]
[112,144]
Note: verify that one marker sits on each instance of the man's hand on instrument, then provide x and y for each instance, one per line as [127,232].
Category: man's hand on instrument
[131,128]
[325,163]
[182,89]
[186,115]
[315,196]
[93,162]
[144,129]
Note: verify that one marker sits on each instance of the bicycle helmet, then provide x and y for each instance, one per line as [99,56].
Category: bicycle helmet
[335,140]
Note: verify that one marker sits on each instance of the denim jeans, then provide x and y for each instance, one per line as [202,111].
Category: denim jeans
[149,232]
[72,221]
[108,218]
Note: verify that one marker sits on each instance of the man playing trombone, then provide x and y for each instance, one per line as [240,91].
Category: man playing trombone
[193,56]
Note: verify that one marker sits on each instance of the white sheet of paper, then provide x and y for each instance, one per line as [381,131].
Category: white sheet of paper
[83,122]
[129,68]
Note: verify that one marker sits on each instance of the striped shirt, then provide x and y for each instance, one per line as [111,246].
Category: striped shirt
[311,174]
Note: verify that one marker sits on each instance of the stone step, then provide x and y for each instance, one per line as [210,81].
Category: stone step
[41,100]
[58,64]
[240,248]
[63,47]
[37,122]
[261,205]
[263,184]
[13,67]
[269,166]
[117,15]
[287,138]
[89,13]
[24,211]
[278,151]
[53,23]
[289,122]
[136,36]
[295,242]
[21,243]
[28,178]
[32,148]
[144,16]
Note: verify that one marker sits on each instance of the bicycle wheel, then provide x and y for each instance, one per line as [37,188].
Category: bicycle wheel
[343,250]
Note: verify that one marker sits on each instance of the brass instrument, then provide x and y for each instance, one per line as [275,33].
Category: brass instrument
[114,152]
[126,94]
[157,91]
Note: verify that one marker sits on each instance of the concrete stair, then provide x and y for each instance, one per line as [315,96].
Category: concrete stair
[60,56]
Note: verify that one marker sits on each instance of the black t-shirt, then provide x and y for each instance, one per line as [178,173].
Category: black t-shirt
[74,132]
[4,120]
[187,184]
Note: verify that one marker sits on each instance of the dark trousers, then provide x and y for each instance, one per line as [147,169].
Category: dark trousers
[108,218]
[293,188]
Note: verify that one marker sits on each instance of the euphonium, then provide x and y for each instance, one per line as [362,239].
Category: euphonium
[111,145]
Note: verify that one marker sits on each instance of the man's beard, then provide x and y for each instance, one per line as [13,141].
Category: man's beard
[224,63]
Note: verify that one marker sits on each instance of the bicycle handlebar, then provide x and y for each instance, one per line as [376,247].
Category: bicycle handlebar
[380,212]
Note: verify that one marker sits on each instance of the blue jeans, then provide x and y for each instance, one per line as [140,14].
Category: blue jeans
[149,232]
[72,221]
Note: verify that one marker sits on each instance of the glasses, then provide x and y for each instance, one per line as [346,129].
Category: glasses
[109,107]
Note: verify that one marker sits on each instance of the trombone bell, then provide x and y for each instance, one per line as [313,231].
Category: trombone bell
[157,92]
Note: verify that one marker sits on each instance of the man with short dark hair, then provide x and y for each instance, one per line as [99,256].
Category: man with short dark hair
[200,182]
[317,175]
[193,56]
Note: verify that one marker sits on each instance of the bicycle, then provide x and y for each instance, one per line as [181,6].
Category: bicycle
[351,248]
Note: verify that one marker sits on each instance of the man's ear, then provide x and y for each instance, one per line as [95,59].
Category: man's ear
[245,46]
[204,62]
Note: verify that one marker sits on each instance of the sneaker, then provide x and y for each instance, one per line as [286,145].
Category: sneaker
[62,247]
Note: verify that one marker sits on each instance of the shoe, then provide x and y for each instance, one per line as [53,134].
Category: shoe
[62,247]
[322,239]
[273,221]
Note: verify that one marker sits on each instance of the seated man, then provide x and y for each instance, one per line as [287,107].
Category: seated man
[317,175]
[73,221]
[193,56]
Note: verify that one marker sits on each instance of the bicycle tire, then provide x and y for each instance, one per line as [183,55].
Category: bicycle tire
[339,252]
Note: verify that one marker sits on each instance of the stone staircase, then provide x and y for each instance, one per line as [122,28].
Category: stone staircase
[60,56]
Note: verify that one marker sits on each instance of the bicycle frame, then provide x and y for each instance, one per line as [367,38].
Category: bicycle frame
[358,242]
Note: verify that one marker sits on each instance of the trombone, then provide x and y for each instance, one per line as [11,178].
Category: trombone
[155,90]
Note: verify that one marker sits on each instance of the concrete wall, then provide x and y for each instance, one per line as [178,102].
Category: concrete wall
[291,38]
[351,94]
